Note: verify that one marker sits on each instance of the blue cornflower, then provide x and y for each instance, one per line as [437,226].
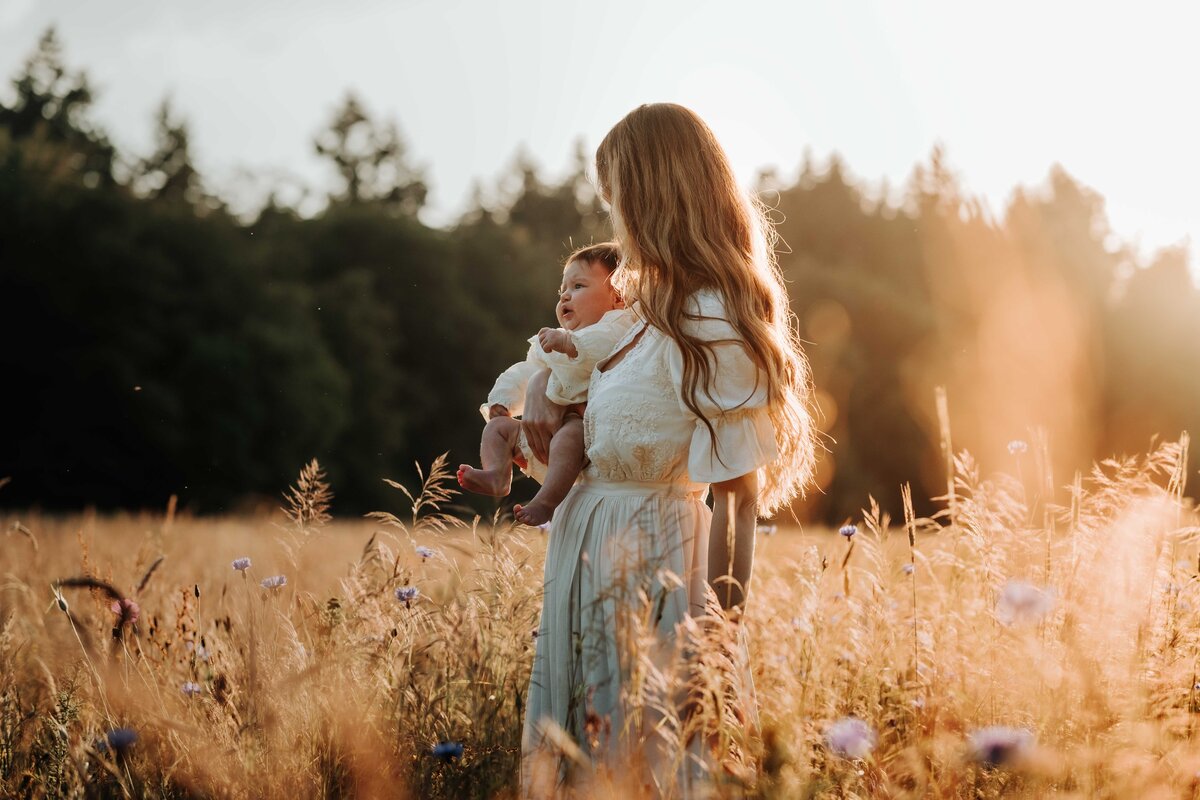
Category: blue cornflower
[426,552]
[406,594]
[447,751]
[274,582]
[848,530]
[120,739]
[998,745]
[241,564]
[190,689]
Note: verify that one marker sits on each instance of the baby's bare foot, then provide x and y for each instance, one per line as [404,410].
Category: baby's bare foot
[534,514]
[483,481]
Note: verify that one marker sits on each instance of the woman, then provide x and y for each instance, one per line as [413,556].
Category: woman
[710,389]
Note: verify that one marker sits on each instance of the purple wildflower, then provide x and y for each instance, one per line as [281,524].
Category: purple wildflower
[406,595]
[425,552]
[848,531]
[850,738]
[190,689]
[127,611]
[1022,602]
[241,564]
[274,582]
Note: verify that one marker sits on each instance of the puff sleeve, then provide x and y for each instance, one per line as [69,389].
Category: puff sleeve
[509,389]
[742,439]
[569,377]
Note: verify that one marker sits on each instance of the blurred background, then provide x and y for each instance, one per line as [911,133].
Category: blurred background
[234,237]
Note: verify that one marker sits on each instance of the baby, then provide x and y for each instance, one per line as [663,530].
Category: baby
[593,320]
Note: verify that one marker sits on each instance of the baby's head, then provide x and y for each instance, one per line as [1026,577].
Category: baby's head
[587,293]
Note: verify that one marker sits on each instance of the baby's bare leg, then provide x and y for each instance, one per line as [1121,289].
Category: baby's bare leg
[495,456]
[566,460]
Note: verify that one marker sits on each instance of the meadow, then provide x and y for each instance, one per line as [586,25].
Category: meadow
[1033,639]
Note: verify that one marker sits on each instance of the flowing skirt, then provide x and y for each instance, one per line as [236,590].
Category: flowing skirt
[625,566]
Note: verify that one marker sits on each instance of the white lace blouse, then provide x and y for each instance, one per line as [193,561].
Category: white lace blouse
[638,428]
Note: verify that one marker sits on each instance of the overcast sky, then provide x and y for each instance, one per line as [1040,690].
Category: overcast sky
[1009,88]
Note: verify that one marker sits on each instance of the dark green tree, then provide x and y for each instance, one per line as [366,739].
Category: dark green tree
[371,161]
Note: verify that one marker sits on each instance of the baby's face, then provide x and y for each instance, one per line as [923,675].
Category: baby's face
[585,296]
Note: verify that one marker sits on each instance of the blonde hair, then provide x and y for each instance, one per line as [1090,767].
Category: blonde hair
[683,224]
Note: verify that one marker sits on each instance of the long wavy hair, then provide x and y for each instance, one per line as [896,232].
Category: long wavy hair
[684,224]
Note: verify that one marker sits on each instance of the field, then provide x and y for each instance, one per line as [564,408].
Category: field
[1029,641]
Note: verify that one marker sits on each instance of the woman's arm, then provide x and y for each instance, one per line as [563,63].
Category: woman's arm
[542,418]
[731,539]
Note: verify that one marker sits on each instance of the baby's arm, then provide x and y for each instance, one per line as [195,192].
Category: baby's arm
[557,340]
[507,397]
[572,373]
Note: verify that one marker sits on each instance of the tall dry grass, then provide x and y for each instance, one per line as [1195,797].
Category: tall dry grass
[1029,641]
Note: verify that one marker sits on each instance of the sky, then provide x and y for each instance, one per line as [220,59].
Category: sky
[1008,88]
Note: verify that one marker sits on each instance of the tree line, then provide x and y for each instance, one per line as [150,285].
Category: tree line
[157,343]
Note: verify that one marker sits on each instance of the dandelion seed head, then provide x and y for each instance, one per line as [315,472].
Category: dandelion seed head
[274,582]
[998,745]
[848,530]
[850,737]
[241,564]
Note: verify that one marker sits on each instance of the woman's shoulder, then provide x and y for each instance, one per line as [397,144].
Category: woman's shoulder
[706,316]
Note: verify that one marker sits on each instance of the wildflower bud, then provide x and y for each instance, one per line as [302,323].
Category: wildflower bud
[197,590]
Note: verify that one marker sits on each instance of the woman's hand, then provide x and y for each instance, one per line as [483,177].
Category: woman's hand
[541,419]
[731,540]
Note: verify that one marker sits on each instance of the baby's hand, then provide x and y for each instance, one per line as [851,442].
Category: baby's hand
[497,410]
[556,340]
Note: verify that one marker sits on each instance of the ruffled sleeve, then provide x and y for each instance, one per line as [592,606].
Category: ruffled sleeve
[569,377]
[742,439]
[509,389]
